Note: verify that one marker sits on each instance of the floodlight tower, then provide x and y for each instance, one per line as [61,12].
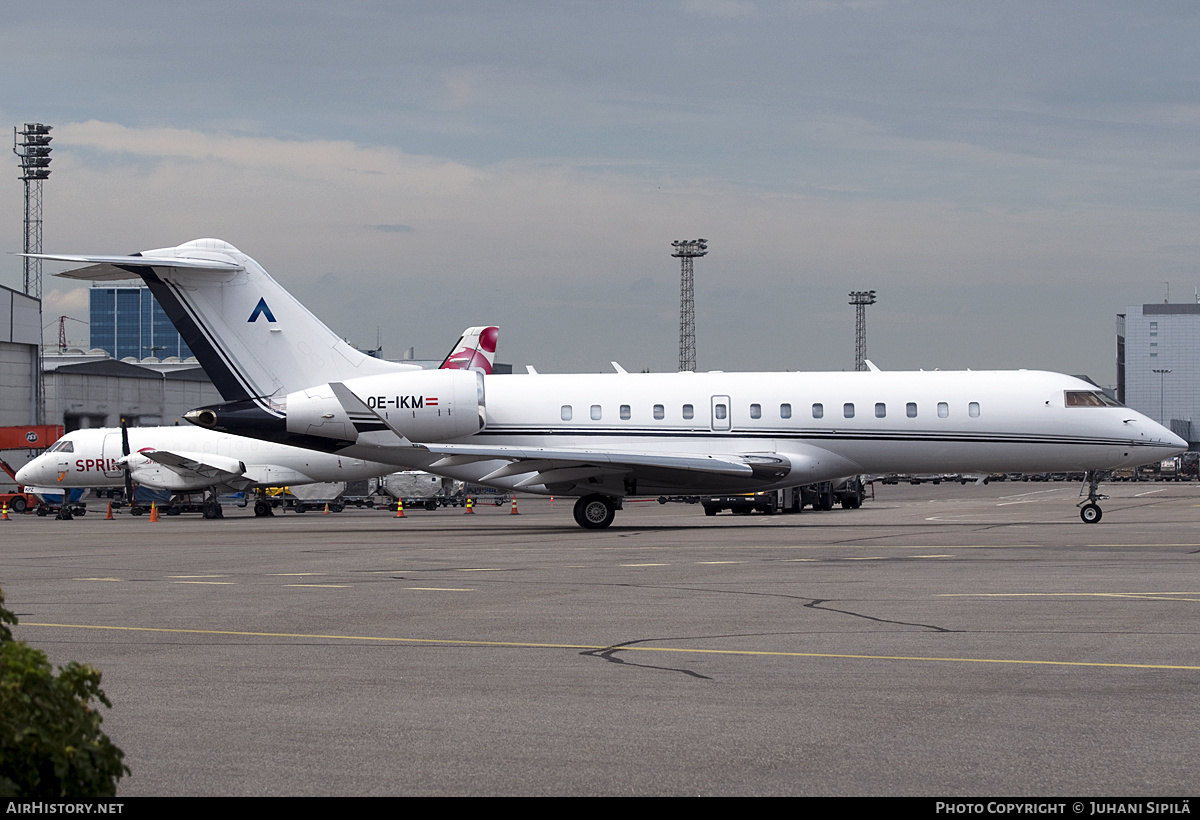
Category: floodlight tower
[860,299]
[32,147]
[687,250]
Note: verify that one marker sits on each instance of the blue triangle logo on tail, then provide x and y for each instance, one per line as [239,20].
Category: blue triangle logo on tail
[261,309]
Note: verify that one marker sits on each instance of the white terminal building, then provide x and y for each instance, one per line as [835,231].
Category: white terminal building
[1158,364]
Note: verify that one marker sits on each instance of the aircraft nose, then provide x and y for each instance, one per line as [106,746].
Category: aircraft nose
[26,475]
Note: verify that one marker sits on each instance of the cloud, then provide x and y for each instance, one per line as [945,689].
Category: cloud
[553,248]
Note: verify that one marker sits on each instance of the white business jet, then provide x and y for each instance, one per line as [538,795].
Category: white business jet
[192,459]
[287,378]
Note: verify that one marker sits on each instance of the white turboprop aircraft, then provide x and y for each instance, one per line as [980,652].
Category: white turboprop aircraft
[288,378]
[192,459]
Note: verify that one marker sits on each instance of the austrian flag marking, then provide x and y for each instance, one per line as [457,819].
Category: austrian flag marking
[431,401]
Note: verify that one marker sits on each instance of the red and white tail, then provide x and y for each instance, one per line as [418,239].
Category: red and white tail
[475,350]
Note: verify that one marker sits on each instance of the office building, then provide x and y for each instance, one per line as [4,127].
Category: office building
[127,321]
[1158,364]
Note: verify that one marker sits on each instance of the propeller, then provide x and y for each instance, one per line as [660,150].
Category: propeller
[125,461]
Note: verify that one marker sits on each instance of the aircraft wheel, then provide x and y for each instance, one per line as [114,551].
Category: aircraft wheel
[41,512]
[261,509]
[212,510]
[1090,513]
[174,509]
[135,510]
[595,512]
[301,508]
[431,505]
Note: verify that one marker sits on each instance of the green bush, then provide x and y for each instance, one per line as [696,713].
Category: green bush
[51,745]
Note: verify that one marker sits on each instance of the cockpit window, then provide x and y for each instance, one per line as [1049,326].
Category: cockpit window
[62,446]
[1089,398]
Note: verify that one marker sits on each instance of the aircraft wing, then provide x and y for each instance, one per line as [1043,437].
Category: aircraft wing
[549,465]
[216,468]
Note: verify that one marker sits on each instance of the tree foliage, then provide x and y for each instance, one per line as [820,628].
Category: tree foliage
[51,745]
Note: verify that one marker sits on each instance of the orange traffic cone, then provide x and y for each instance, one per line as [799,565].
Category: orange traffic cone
[400,508]
[153,512]
[470,507]
[514,509]
[327,508]
[4,512]
[109,516]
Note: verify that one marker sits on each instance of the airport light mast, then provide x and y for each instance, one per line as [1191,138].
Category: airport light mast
[32,147]
[33,153]
[1162,387]
[860,299]
[687,250]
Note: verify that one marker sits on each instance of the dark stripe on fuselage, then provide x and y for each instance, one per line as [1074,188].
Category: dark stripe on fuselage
[802,435]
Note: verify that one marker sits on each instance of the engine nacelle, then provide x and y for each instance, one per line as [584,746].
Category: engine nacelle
[425,405]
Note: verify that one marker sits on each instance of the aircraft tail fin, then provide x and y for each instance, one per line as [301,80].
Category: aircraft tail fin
[253,338]
[474,350]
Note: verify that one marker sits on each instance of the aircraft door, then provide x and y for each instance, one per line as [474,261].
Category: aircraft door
[720,413]
[110,452]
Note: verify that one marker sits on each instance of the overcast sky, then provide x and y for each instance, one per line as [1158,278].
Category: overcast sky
[1008,176]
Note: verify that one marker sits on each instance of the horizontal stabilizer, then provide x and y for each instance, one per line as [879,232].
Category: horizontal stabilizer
[105,268]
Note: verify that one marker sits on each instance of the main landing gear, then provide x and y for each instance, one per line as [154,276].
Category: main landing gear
[1089,510]
[595,512]
[212,507]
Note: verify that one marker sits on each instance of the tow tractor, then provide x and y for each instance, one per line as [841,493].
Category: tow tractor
[25,437]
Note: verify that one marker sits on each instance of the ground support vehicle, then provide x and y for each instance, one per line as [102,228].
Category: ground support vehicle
[820,496]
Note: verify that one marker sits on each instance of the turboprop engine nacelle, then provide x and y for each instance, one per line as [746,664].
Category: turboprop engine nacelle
[426,405]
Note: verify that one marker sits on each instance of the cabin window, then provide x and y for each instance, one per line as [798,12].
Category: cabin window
[625,412]
[848,409]
[720,411]
[566,412]
[818,410]
[756,411]
[943,410]
[973,409]
[596,412]
[688,412]
[880,410]
[785,411]
[911,409]
[659,412]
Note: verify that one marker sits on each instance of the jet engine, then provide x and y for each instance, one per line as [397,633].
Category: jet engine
[423,406]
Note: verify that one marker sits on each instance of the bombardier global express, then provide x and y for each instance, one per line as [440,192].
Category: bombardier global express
[286,377]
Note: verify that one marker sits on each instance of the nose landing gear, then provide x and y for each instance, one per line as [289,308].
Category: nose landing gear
[1089,510]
